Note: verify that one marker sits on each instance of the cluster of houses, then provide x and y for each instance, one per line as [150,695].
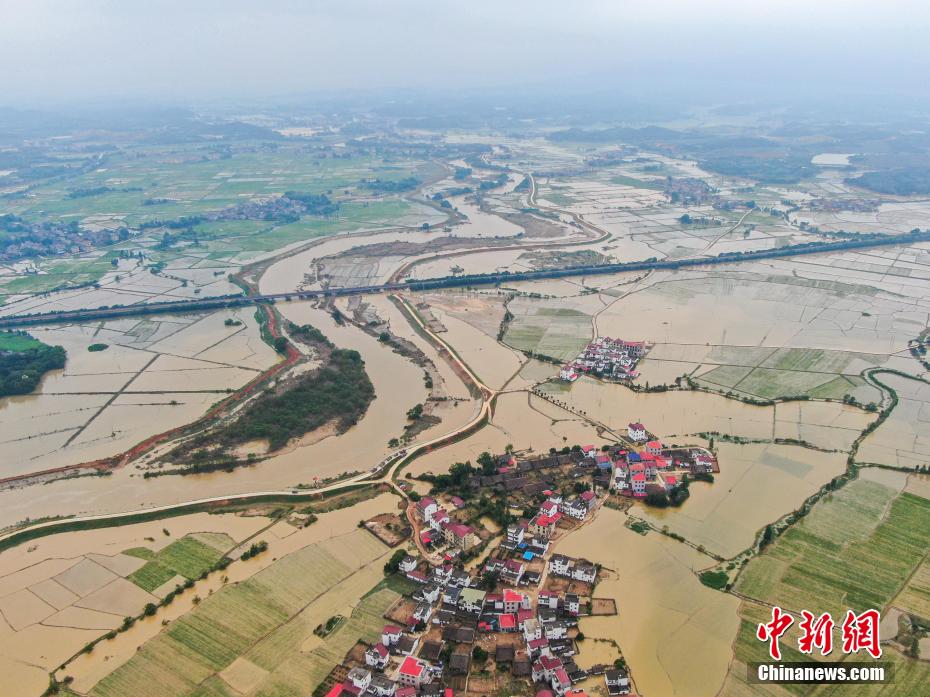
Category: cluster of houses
[607,358]
[457,536]
[654,467]
[543,524]
[501,605]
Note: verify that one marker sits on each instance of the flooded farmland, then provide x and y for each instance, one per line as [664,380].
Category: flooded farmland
[674,632]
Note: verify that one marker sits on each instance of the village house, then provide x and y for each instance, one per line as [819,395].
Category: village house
[360,678]
[423,611]
[450,595]
[407,564]
[654,447]
[560,565]
[381,686]
[461,536]
[390,635]
[494,602]
[548,599]
[377,656]
[515,533]
[460,578]
[507,622]
[439,520]
[572,604]
[538,647]
[522,617]
[512,572]
[543,526]
[514,601]
[471,601]
[429,593]
[560,682]
[426,507]
[584,571]
[532,629]
[414,672]
[556,630]
[637,432]
[576,508]
[545,668]
[418,576]
[618,682]
[638,484]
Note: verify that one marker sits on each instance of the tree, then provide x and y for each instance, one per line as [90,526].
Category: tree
[767,536]
[280,344]
[393,564]
[685,219]
[479,654]
[486,460]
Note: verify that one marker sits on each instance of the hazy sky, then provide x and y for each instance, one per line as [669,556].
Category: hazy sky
[57,51]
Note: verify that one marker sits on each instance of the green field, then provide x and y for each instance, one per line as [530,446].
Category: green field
[189,180]
[260,619]
[765,373]
[188,557]
[557,332]
[915,597]
[855,550]
[11,341]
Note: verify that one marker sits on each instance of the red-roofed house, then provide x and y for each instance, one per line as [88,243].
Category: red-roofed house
[636,432]
[523,616]
[589,498]
[512,572]
[461,536]
[426,507]
[544,525]
[406,691]
[391,634]
[413,672]
[514,601]
[560,682]
[548,599]
[638,482]
[671,481]
[538,647]
[654,447]
[335,690]
[377,656]
[589,450]
[507,623]
[549,507]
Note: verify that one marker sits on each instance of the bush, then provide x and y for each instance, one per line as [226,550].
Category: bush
[717,580]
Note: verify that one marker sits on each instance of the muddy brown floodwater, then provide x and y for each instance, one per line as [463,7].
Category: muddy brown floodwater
[674,632]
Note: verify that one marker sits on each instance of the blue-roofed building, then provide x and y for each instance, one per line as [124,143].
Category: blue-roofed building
[634,457]
[528,556]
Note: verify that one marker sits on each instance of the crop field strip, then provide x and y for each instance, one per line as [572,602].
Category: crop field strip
[187,557]
[229,623]
[855,550]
